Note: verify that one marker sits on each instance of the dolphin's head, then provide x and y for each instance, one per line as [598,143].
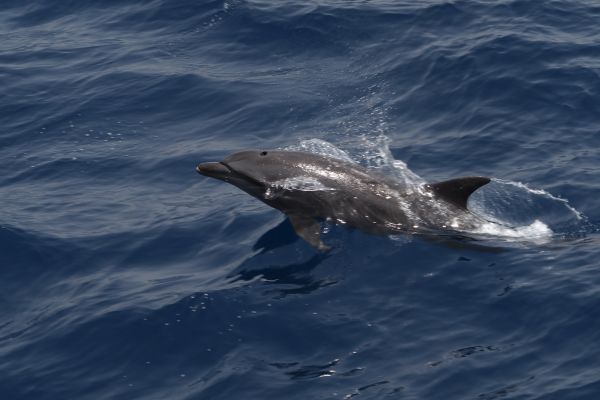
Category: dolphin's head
[253,171]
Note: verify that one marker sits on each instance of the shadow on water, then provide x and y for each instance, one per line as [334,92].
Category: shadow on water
[288,278]
[296,278]
[279,236]
[282,273]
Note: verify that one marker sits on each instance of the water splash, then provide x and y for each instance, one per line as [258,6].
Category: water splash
[321,147]
[303,183]
[543,193]
[516,205]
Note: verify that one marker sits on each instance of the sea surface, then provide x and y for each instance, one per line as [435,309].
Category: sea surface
[126,275]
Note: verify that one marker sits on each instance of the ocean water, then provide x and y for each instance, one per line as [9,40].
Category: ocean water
[126,275]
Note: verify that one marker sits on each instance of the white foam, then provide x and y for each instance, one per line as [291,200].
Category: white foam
[537,231]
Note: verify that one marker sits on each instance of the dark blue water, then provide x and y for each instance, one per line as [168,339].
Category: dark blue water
[126,275]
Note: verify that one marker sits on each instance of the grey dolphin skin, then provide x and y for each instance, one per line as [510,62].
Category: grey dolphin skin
[310,188]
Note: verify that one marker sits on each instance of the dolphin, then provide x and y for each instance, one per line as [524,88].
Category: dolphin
[310,188]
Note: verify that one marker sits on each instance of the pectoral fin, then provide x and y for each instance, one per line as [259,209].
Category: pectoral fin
[308,229]
[457,191]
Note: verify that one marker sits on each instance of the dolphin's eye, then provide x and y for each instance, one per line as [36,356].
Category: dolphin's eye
[263,153]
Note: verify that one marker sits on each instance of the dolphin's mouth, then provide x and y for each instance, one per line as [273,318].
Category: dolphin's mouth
[218,170]
[224,172]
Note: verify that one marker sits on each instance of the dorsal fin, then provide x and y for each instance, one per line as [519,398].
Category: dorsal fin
[457,191]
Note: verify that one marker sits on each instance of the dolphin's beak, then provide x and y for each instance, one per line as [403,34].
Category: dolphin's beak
[214,170]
